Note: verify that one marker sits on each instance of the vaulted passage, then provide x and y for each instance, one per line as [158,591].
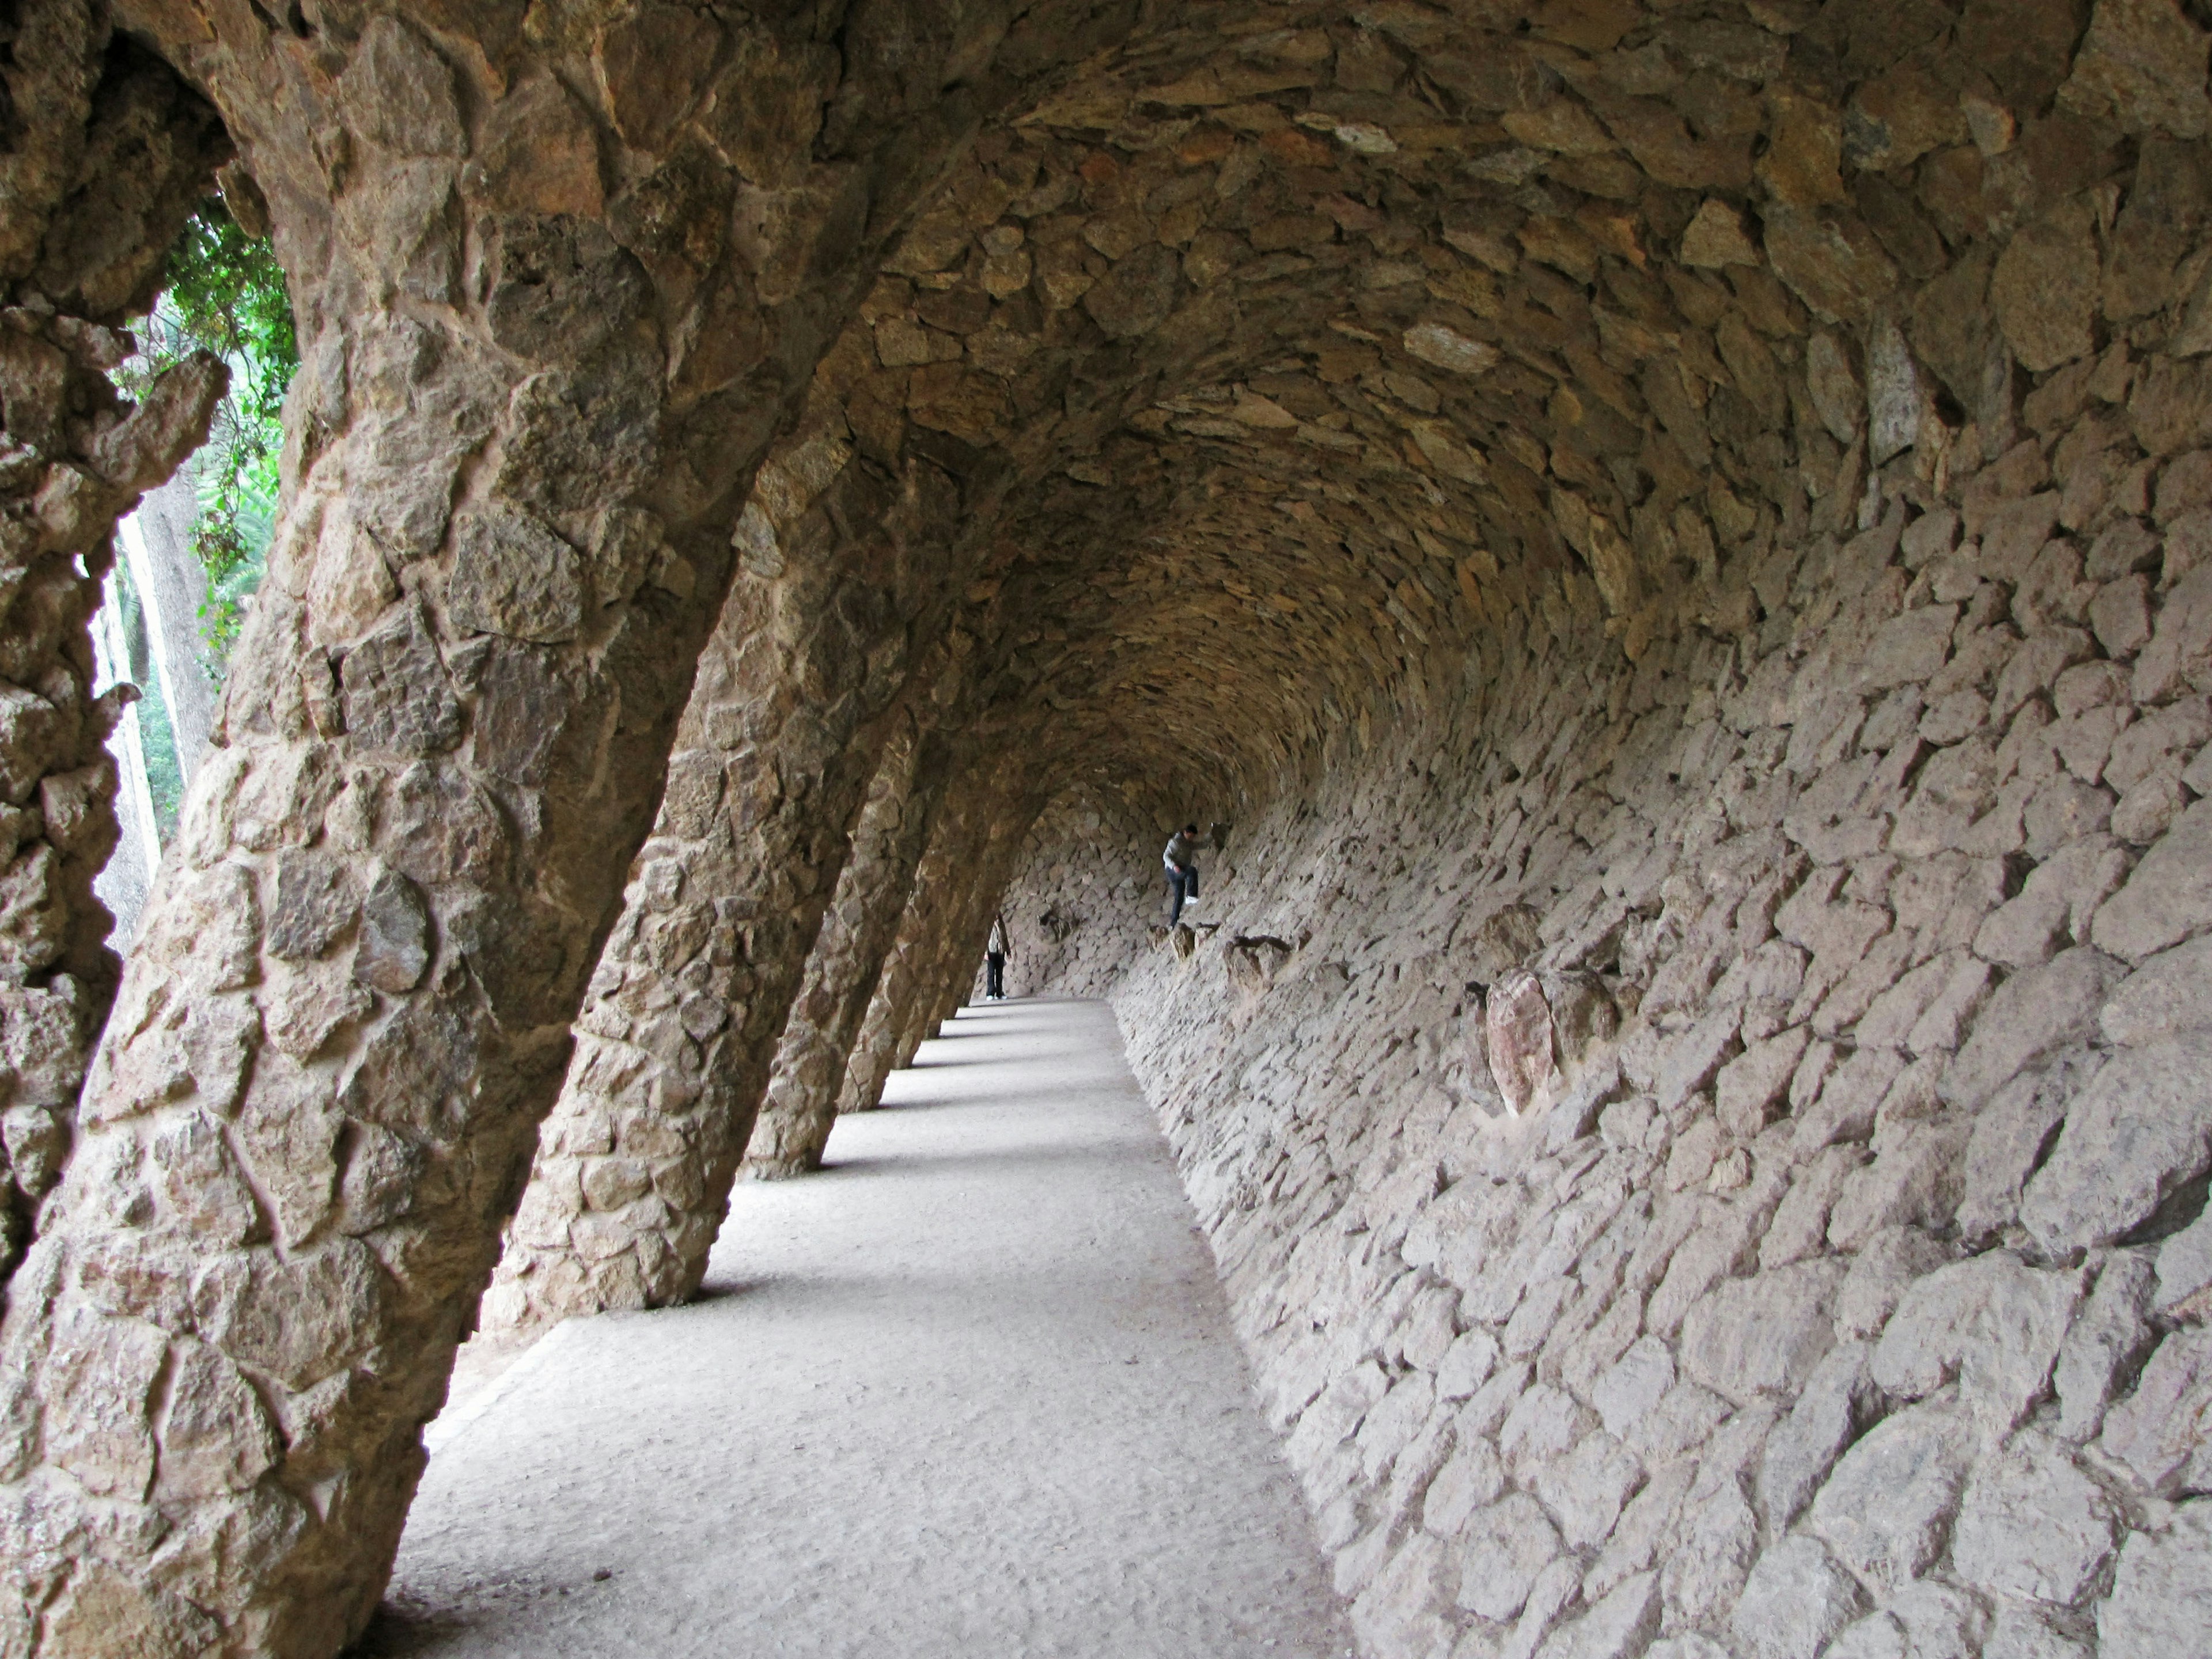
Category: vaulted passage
[1665,545]
[975,1390]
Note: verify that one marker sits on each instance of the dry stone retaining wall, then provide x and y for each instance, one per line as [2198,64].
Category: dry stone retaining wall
[1086,905]
[1707,1134]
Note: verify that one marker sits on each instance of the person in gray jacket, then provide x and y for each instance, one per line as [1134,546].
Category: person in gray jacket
[1181,860]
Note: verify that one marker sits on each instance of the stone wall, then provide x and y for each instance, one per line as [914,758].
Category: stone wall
[1707,1146]
[1087,901]
[1705,1124]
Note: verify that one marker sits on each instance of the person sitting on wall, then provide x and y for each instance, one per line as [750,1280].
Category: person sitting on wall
[994,961]
[1181,860]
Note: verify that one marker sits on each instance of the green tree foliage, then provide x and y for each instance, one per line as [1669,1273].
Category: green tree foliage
[226,294]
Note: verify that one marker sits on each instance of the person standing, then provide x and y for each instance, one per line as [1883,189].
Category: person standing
[994,961]
[1181,860]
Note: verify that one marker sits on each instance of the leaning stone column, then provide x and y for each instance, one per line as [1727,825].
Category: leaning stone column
[948,967]
[968,920]
[103,165]
[679,1027]
[959,832]
[927,1005]
[977,833]
[802,1105]
[537,374]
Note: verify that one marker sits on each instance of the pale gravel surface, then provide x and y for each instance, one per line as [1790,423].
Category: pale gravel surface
[971,1391]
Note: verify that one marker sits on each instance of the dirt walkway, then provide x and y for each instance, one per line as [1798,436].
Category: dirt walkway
[970,1392]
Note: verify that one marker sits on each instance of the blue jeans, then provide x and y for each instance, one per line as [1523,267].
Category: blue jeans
[1183,888]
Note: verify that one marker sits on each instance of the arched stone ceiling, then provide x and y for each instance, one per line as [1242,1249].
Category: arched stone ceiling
[1291,347]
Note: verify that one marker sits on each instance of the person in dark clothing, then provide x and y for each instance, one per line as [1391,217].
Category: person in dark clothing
[1181,860]
[994,961]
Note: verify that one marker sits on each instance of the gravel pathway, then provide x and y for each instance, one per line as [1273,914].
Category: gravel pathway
[970,1391]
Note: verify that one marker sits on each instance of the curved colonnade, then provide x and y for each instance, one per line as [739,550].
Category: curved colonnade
[1667,533]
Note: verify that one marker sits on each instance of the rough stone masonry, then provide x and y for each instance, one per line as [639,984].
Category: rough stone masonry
[1673,540]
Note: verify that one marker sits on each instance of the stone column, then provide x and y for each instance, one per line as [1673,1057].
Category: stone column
[107,152]
[941,984]
[971,838]
[953,839]
[540,366]
[802,1105]
[969,917]
[679,1027]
